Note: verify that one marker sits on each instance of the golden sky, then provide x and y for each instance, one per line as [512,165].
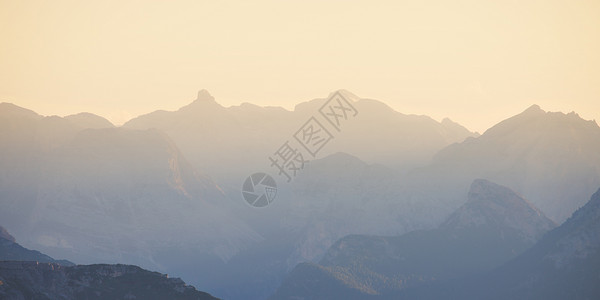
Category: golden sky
[476,62]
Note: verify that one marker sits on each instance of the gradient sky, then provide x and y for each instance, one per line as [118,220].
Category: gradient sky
[476,62]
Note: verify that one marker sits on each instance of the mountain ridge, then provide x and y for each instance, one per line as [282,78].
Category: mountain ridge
[30,274]
[564,263]
[49,281]
[364,266]
[520,152]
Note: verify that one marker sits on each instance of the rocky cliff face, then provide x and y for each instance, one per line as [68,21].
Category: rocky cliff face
[34,280]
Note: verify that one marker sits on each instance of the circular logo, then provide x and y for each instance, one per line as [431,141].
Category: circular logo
[259,189]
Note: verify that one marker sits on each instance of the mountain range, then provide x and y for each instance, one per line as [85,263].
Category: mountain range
[550,158]
[107,194]
[238,139]
[564,264]
[493,226]
[163,190]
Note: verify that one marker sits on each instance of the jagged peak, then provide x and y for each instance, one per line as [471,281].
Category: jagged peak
[203,94]
[532,119]
[534,109]
[204,100]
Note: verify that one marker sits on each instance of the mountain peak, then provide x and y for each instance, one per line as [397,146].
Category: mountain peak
[482,189]
[562,264]
[535,121]
[203,101]
[492,204]
[203,95]
[534,109]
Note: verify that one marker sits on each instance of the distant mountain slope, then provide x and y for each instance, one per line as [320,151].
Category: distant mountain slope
[49,281]
[498,207]
[110,195]
[336,194]
[492,227]
[239,139]
[10,250]
[565,264]
[551,158]
[5,235]
[47,164]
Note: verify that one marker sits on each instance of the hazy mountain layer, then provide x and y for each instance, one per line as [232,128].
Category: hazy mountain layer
[239,139]
[552,159]
[108,195]
[565,264]
[76,187]
[492,227]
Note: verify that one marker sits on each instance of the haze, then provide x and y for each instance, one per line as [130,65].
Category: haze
[474,62]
